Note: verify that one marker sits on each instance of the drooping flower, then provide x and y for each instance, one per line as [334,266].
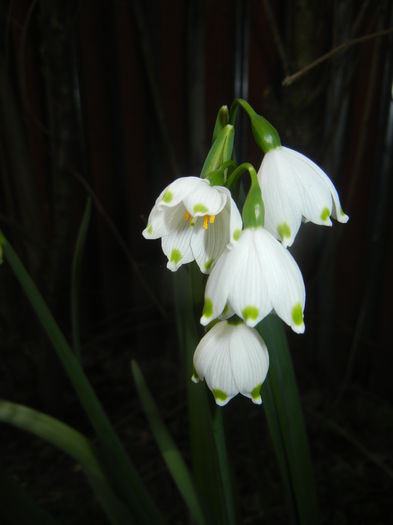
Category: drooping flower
[232,359]
[253,277]
[195,221]
[295,188]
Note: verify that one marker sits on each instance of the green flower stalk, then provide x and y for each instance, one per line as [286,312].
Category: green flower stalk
[253,209]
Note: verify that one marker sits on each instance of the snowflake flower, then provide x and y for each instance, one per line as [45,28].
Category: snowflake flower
[233,359]
[195,221]
[253,277]
[294,187]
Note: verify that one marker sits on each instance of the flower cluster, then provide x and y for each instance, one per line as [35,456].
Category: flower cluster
[251,272]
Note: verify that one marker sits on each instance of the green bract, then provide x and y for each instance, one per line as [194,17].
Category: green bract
[221,121]
[220,152]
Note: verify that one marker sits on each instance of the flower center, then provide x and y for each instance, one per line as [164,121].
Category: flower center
[206,219]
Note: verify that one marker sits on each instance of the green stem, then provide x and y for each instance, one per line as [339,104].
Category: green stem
[222,454]
[253,210]
[218,177]
[246,166]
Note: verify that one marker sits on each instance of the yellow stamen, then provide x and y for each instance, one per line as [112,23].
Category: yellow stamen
[186,215]
[205,221]
[212,219]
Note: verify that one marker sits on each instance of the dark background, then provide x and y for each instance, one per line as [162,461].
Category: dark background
[113,100]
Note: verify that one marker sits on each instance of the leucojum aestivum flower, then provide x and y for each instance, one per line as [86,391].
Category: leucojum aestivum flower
[250,271]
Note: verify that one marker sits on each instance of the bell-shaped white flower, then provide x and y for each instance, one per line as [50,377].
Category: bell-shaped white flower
[232,359]
[195,221]
[295,188]
[253,277]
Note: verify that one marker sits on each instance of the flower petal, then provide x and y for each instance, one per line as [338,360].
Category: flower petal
[235,221]
[308,169]
[280,193]
[207,245]
[177,191]
[284,281]
[212,363]
[249,361]
[203,354]
[163,221]
[248,295]
[316,203]
[177,246]
[206,199]
[219,284]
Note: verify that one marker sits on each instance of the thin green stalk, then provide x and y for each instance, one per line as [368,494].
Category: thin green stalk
[223,462]
[75,279]
[273,421]
[118,464]
[170,453]
[233,178]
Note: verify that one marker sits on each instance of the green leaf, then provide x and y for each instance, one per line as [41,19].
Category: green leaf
[224,465]
[188,289]
[286,423]
[74,444]
[75,279]
[272,417]
[167,446]
[117,463]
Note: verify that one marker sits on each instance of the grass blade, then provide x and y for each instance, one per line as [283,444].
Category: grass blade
[74,444]
[167,446]
[75,277]
[117,463]
[285,398]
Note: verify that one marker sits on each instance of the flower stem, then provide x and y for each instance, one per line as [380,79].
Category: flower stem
[253,209]
[246,166]
[224,466]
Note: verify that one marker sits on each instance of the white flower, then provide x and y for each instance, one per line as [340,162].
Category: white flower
[253,277]
[195,221]
[232,359]
[294,187]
